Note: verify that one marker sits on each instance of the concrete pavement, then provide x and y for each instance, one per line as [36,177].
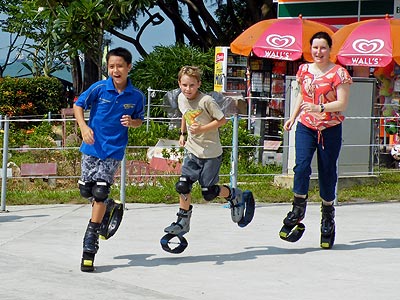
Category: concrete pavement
[40,251]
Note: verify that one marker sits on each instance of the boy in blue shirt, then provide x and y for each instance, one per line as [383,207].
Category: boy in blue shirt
[115,105]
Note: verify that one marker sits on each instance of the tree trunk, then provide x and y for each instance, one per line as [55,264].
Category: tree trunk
[76,71]
[91,72]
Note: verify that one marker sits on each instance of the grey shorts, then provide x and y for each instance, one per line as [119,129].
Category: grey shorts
[95,169]
[204,170]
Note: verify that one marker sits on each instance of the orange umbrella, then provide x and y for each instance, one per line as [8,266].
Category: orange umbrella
[284,39]
[369,43]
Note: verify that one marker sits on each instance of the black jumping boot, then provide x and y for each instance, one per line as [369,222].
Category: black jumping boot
[292,229]
[327,226]
[90,247]
[296,215]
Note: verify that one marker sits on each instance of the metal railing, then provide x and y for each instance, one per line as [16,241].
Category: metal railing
[376,146]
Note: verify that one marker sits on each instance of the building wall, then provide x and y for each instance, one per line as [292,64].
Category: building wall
[339,12]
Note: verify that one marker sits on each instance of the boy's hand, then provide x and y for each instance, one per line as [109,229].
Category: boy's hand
[126,120]
[87,135]
[195,128]
[182,141]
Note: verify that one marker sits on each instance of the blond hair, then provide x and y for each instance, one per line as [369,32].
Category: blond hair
[191,71]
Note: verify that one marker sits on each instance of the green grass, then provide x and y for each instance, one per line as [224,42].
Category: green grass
[24,192]
[387,189]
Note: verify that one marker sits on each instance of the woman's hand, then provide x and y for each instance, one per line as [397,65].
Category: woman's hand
[310,107]
[288,124]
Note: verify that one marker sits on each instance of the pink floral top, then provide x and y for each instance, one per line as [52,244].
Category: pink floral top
[321,90]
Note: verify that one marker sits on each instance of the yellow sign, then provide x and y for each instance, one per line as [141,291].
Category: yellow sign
[219,68]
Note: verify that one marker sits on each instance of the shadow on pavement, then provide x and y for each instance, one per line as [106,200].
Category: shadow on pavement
[10,218]
[144,260]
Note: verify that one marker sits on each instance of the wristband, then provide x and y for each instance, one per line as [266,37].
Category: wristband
[183,133]
[322,107]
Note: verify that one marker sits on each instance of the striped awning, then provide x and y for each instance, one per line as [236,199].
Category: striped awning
[338,12]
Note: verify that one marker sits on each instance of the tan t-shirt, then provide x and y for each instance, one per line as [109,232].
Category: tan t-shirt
[203,110]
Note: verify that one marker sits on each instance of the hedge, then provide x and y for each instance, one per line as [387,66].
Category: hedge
[30,96]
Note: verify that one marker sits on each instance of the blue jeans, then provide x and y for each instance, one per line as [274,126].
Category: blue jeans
[328,149]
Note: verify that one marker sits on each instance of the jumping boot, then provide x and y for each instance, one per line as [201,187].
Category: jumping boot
[90,247]
[182,224]
[236,204]
[112,218]
[109,203]
[327,226]
[292,229]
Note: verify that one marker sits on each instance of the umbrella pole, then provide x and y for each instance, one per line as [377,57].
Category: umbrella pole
[248,98]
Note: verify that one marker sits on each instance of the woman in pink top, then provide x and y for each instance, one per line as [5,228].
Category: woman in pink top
[323,96]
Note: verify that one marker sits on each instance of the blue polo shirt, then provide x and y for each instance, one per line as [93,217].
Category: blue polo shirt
[106,109]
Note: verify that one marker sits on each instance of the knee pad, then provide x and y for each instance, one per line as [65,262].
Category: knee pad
[100,191]
[184,185]
[85,188]
[210,192]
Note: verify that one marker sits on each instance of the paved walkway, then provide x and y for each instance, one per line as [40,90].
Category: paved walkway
[40,249]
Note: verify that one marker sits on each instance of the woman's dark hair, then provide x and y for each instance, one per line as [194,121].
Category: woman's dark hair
[322,35]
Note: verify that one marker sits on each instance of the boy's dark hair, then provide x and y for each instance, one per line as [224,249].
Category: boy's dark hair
[122,52]
[322,35]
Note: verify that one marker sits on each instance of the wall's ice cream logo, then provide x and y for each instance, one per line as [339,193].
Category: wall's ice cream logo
[279,41]
[277,47]
[368,46]
[367,52]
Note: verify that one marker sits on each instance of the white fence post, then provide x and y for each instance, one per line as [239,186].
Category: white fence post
[234,154]
[148,108]
[123,181]
[4,170]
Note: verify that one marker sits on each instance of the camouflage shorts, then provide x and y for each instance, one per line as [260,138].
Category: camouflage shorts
[96,169]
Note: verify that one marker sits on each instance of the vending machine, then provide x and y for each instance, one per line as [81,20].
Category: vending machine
[229,71]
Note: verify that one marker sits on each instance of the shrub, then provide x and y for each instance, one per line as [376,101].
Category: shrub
[245,138]
[159,70]
[30,96]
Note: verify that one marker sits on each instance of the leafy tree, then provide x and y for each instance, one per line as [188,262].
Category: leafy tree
[160,68]
[35,24]
[74,28]
[78,27]
[16,39]
[195,23]
[236,15]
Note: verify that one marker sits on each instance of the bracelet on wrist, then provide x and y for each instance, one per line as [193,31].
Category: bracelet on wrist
[183,133]
[322,107]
